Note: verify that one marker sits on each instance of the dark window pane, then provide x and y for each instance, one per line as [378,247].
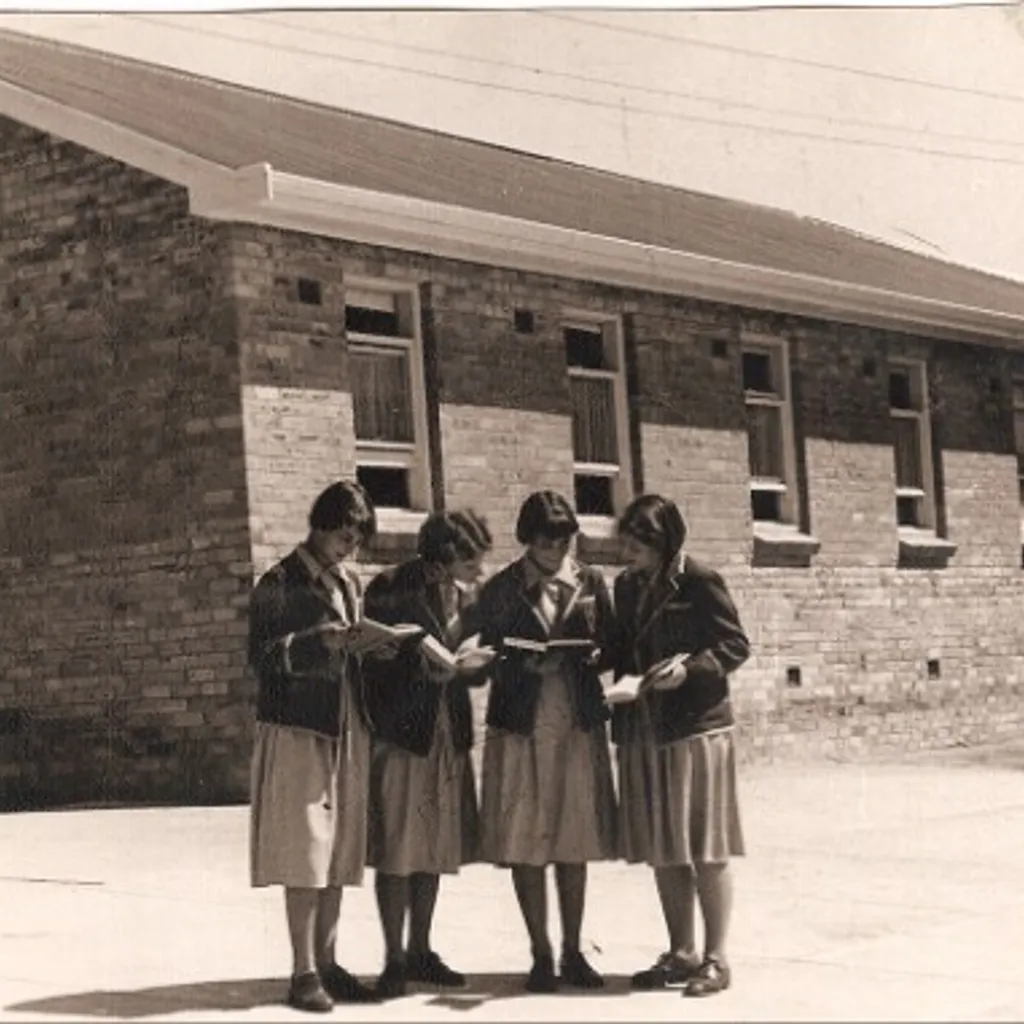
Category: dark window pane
[757,373]
[380,395]
[584,348]
[387,487]
[766,506]
[594,495]
[360,320]
[907,511]
[764,441]
[593,420]
[907,448]
[900,396]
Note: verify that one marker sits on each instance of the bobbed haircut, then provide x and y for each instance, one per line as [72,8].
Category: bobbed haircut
[656,522]
[545,514]
[454,536]
[343,504]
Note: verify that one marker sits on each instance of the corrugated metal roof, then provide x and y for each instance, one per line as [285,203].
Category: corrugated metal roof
[236,126]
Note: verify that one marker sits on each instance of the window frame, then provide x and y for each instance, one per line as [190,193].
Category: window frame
[1017,410]
[621,473]
[413,457]
[787,488]
[917,371]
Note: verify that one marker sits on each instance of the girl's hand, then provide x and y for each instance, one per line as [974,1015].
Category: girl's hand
[670,675]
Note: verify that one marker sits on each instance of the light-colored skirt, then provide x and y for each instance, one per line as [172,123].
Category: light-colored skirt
[309,806]
[548,798]
[678,802]
[423,813]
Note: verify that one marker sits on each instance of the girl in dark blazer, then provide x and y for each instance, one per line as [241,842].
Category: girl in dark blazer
[310,766]
[547,791]
[423,811]
[677,768]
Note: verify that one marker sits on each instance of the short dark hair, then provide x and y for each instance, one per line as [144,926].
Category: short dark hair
[344,503]
[657,522]
[545,514]
[454,536]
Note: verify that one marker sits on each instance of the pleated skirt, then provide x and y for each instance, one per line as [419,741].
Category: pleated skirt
[548,798]
[309,799]
[678,802]
[423,810]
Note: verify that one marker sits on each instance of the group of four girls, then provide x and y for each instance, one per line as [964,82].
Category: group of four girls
[366,760]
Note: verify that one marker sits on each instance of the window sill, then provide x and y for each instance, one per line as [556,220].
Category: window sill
[598,540]
[397,530]
[779,545]
[924,549]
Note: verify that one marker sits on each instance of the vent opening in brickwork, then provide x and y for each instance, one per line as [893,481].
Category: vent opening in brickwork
[995,385]
[719,349]
[309,291]
[387,486]
[869,368]
[523,320]
[934,668]
[766,506]
[793,676]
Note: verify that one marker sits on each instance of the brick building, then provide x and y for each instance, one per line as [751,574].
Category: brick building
[214,301]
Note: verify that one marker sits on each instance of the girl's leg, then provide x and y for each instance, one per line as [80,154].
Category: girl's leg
[714,884]
[392,905]
[571,884]
[325,934]
[423,889]
[571,881]
[677,891]
[531,892]
[300,908]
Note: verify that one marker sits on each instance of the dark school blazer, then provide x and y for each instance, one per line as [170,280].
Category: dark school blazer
[691,613]
[299,682]
[404,703]
[506,609]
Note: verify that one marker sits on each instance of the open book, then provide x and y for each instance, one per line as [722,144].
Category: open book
[627,688]
[468,657]
[368,635]
[526,646]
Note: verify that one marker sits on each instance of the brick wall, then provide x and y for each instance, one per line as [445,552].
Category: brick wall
[174,400]
[123,504]
[860,628]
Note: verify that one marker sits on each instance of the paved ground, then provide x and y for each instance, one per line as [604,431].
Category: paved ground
[889,892]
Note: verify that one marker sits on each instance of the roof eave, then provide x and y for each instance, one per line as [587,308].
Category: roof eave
[274,198]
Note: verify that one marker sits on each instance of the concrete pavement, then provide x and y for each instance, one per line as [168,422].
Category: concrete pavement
[882,892]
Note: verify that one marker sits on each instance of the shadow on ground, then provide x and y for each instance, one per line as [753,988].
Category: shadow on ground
[252,993]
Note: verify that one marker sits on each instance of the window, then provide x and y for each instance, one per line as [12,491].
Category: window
[1018,434]
[386,370]
[600,418]
[908,409]
[770,444]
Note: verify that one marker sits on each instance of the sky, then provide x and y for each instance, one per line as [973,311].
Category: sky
[904,124]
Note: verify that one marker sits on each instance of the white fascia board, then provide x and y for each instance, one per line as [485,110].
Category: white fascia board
[101,136]
[266,196]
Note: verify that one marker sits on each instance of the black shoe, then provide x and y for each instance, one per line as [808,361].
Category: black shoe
[577,972]
[343,987]
[668,971]
[542,977]
[391,983]
[430,969]
[712,977]
[307,993]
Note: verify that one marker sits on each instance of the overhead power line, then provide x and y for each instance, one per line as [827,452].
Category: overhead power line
[808,62]
[435,51]
[618,108]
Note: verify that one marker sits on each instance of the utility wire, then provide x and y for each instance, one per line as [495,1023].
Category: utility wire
[784,58]
[585,101]
[433,51]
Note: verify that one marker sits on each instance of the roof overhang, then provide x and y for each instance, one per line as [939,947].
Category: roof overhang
[259,194]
